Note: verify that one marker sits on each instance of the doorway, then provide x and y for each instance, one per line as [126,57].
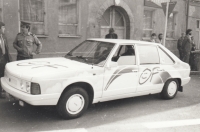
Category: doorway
[115,17]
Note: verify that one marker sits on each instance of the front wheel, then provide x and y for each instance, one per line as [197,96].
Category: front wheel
[170,89]
[73,103]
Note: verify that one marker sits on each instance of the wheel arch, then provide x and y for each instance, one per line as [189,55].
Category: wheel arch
[180,88]
[86,86]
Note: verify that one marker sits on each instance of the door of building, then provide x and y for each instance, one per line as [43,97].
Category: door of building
[197,35]
[113,18]
[197,39]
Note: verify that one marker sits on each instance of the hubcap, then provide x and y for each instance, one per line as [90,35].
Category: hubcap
[172,88]
[75,104]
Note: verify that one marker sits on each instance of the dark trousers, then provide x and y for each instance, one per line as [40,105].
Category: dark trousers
[193,62]
[23,58]
[186,57]
[181,54]
[3,62]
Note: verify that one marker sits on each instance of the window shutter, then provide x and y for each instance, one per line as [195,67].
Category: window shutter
[68,17]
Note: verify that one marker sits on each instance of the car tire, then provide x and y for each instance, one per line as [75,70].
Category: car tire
[73,103]
[170,89]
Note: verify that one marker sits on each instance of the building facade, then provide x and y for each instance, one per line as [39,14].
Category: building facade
[62,24]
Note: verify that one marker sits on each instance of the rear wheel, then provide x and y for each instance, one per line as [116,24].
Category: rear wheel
[170,89]
[73,103]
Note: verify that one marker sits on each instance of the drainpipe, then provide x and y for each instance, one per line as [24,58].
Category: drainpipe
[187,15]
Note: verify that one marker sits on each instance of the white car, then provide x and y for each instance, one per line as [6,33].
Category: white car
[96,70]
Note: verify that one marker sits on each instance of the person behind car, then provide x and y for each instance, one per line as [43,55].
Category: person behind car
[4,53]
[153,37]
[187,46]
[129,52]
[179,45]
[192,60]
[112,34]
[24,42]
[160,38]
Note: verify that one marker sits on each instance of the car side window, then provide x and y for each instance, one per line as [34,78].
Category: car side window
[148,54]
[125,55]
[165,58]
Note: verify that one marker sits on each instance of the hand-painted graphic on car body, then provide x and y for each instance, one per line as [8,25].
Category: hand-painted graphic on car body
[118,73]
[146,75]
[150,75]
[39,64]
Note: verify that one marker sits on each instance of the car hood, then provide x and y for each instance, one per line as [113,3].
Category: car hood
[27,69]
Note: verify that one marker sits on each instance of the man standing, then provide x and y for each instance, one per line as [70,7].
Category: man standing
[112,34]
[179,45]
[24,43]
[153,37]
[187,46]
[4,53]
[160,38]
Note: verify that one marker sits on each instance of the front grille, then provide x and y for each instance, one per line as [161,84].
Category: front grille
[15,82]
[11,80]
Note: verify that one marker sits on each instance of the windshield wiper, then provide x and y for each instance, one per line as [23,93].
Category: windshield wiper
[69,54]
[81,57]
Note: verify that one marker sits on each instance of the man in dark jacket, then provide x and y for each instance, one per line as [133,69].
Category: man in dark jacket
[179,45]
[4,53]
[187,46]
[112,34]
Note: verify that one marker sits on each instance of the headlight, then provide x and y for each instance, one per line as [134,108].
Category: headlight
[35,89]
[28,87]
[22,84]
[25,86]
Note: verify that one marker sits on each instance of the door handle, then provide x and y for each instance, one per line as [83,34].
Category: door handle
[160,70]
[134,70]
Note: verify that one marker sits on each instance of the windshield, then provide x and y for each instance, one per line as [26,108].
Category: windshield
[91,52]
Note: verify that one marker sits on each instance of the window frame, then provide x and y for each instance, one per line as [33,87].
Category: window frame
[153,25]
[138,54]
[174,25]
[158,47]
[44,23]
[119,49]
[77,35]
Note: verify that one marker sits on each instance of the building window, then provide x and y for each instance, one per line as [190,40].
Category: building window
[148,23]
[171,26]
[198,24]
[68,17]
[33,11]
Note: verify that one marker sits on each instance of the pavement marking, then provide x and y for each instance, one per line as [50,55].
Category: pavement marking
[68,130]
[168,124]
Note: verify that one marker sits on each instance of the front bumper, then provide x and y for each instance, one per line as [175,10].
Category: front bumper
[46,99]
[185,80]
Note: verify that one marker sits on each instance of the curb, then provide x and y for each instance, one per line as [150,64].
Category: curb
[195,73]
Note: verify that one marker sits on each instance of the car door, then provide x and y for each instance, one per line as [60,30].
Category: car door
[149,68]
[122,78]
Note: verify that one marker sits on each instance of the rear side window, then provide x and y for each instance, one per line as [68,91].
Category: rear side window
[165,58]
[148,54]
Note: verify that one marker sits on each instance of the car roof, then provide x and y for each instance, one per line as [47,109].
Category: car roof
[122,41]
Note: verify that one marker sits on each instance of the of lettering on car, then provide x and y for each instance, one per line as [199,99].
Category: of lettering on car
[147,74]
